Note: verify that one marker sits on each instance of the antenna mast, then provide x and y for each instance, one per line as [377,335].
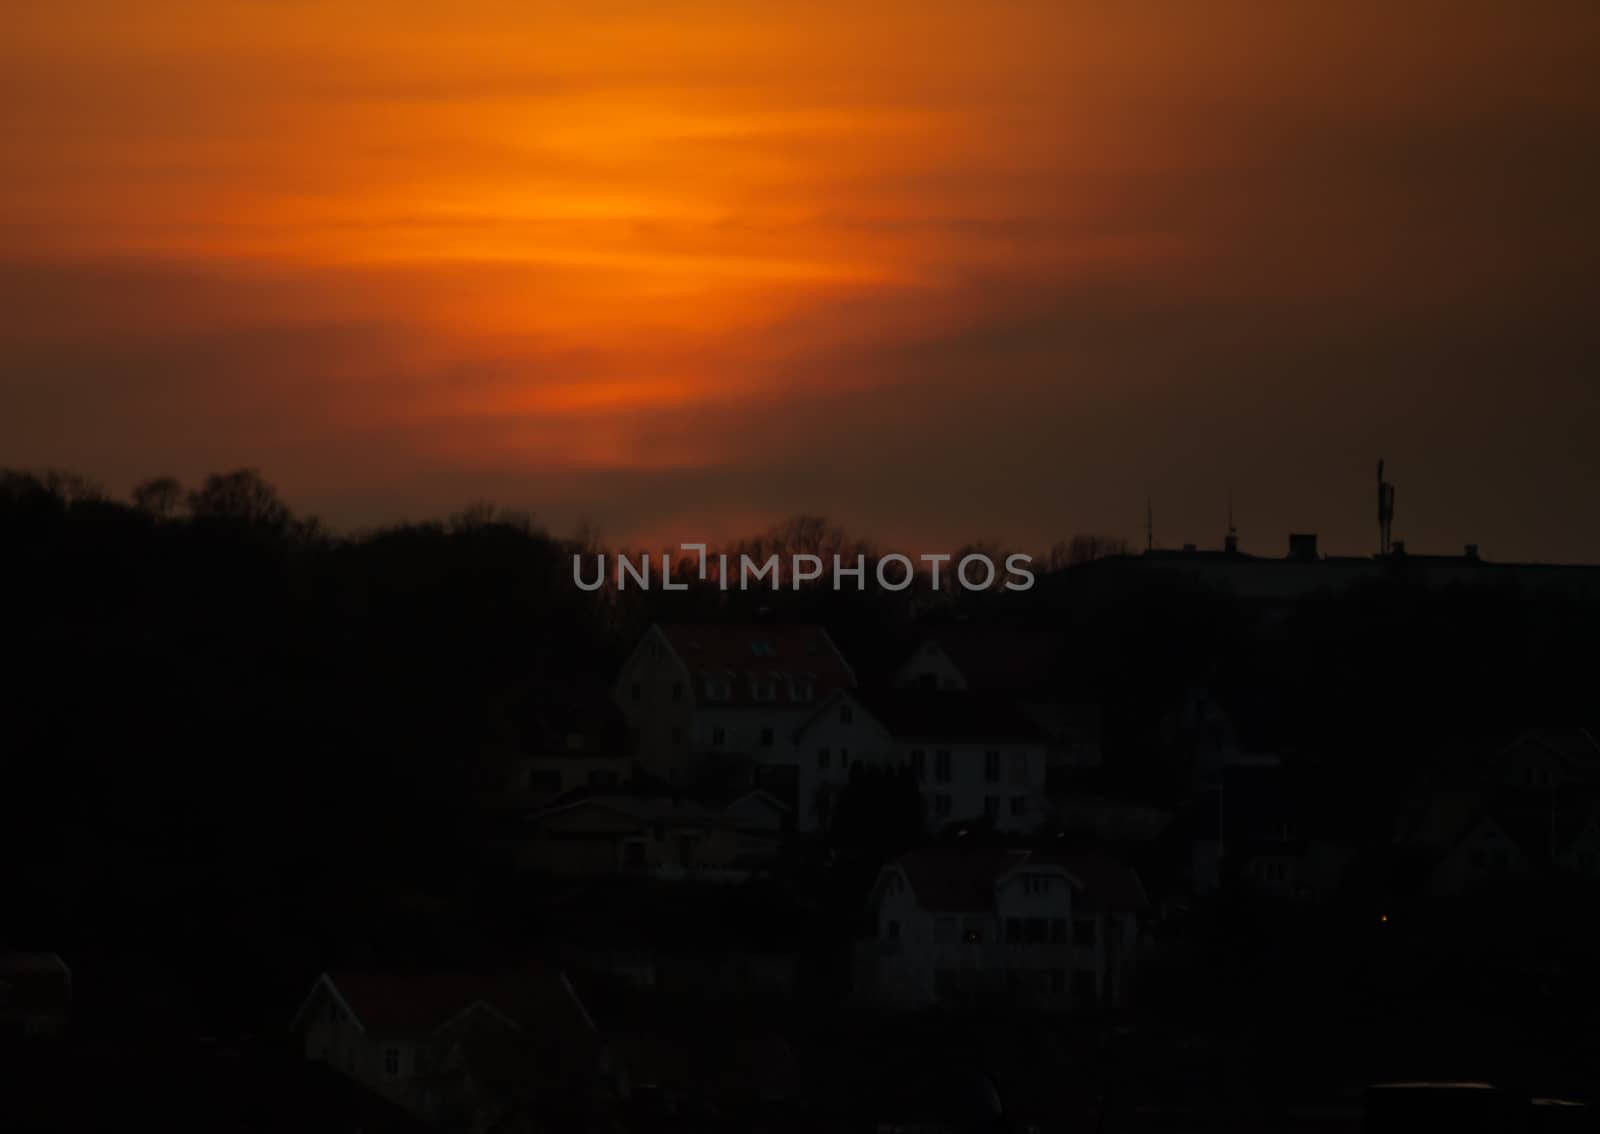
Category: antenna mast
[1385,512]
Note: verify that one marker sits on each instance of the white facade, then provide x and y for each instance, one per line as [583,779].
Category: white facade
[839,735]
[960,779]
[747,696]
[1030,943]
[1001,780]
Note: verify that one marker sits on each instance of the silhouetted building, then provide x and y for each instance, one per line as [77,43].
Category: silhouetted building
[959,924]
[693,691]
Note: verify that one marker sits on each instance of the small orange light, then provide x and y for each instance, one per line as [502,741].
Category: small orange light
[1383,917]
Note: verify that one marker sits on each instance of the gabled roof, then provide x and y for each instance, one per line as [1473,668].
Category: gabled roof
[421,1004]
[750,652]
[998,659]
[953,879]
[1103,883]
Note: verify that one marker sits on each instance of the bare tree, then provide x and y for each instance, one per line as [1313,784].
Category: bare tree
[241,496]
[1087,548]
[159,497]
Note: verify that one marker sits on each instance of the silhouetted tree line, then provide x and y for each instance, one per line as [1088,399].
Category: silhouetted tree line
[240,746]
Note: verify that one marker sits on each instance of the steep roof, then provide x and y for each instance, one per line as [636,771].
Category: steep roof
[747,652]
[955,878]
[999,659]
[1104,883]
[421,1003]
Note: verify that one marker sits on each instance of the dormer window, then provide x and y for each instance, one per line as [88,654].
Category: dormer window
[1035,884]
[762,648]
[718,687]
[574,741]
[803,687]
[762,689]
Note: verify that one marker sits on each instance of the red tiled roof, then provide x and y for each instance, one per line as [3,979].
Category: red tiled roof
[1105,883]
[421,1003]
[747,652]
[955,878]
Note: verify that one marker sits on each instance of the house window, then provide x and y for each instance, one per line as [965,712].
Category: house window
[941,806]
[1058,931]
[891,931]
[991,767]
[1013,931]
[766,738]
[719,736]
[574,741]
[919,765]
[762,649]
[824,759]
[1019,804]
[718,688]
[1083,931]
[391,1061]
[1035,884]
[941,766]
[761,689]
[1035,931]
[847,714]
[991,805]
[677,690]
[804,689]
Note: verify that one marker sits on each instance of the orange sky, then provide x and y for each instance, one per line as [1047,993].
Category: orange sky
[940,270]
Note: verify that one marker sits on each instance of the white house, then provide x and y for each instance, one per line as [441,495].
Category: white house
[957,924]
[1025,665]
[689,691]
[975,756]
[424,1040]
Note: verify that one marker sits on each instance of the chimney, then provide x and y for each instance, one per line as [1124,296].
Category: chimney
[1472,551]
[1231,544]
[1303,545]
[1189,549]
[1398,547]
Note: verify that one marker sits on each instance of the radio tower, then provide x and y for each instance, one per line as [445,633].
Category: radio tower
[1385,512]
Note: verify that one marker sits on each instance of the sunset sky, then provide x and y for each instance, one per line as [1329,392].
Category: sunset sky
[938,270]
